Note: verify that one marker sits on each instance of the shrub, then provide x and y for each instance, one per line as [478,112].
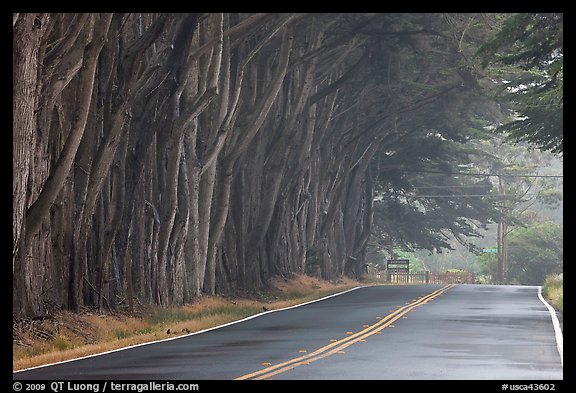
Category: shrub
[553,290]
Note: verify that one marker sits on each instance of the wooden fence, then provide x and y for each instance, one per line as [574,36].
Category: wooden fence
[425,277]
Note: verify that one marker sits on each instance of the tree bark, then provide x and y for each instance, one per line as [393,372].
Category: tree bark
[26,43]
[39,209]
[225,174]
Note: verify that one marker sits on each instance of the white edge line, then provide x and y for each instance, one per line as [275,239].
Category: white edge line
[190,334]
[556,323]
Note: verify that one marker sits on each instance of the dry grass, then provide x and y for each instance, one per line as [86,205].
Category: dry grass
[69,336]
[553,290]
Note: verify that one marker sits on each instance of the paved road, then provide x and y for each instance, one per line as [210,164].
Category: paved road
[384,332]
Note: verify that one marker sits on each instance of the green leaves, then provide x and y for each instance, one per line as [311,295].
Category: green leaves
[535,252]
[530,47]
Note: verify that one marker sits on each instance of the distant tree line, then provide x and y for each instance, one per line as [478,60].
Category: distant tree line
[164,156]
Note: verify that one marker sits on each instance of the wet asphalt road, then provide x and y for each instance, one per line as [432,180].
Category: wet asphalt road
[383,332]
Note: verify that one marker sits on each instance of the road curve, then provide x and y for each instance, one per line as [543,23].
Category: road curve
[489,332]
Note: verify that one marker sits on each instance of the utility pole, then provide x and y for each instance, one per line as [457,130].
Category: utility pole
[502,237]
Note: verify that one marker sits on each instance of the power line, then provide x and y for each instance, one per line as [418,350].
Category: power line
[483,174]
[459,196]
[455,186]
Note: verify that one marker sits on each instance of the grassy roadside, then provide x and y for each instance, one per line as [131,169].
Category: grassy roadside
[553,291]
[66,335]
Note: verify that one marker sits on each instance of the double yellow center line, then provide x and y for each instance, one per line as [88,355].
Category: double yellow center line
[340,345]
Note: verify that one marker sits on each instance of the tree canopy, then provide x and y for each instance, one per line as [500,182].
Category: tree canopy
[159,157]
[526,57]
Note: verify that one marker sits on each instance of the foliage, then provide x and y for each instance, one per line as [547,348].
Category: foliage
[535,252]
[551,197]
[553,290]
[489,268]
[460,258]
[61,343]
[207,152]
[421,203]
[527,59]
[312,261]
[456,271]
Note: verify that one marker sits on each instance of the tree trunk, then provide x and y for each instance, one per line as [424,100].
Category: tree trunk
[28,32]
[225,175]
[39,209]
